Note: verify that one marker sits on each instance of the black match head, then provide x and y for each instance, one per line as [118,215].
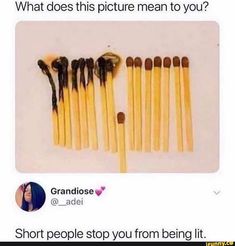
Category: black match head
[64,61]
[75,64]
[43,66]
[90,63]
[82,63]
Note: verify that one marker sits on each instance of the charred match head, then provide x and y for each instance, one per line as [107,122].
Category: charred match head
[121,118]
[74,66]
[167,62]
[129,61]
[138,62]
[90,67]
[102,70]
[148,64]
[45,69]
[157,61]
[185,61]
[82,64]
[109,65]
[176,61]
[43,66]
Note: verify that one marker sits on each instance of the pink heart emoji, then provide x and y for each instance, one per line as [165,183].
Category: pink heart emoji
[102,187]
[98,192]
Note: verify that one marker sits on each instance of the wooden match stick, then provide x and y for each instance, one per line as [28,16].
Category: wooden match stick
[148,78]
[111,106]
[57,66]
[166,103]
[187,104]
[138,104]
[179,128]
[45,69]
[91,105]
[130,89]
[157,102]
[102,77]
[68,130]
[75,105]
[83,105]
[121,142]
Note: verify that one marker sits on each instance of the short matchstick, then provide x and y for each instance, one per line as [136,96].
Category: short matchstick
[121,142]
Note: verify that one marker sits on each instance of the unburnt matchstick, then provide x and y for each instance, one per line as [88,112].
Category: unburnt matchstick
[157,102]
[166,103]
[45,69]
[111,106]
[93,137]
[102,76]
[187,104]
[75,106]
[83,105]
[148,111]
[130,99]
[138,103]
[57,66]
[179,128]
[121,142]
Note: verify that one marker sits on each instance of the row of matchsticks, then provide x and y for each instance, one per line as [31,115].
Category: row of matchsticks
[76,105]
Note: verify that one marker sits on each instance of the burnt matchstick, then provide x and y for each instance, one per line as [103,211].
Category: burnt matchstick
[130,99]
[75,105]
[121,142]
[157,102]
[57,66]
[179,128]
[166,103]
[138,103]
[68,130]
[45,69]
[102,76]
[148,111]
[93,137]
[111,106]
[187,104]
[83,105]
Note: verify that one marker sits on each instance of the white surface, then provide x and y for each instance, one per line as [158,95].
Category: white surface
[197,40]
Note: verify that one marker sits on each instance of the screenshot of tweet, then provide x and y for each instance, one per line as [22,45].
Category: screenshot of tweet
[117,122]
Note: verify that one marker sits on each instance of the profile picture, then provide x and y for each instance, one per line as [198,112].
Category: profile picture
[30,196]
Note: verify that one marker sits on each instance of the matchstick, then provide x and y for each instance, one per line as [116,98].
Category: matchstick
[57,66]
[102,77]
[187,104]
[45,69]
[179,128]
[75,106]
[68,130]
[93,138]
[83,105]
[148,78]
[138,104]
[157,102]
[166,103]
[111,107]
[130,99]
[121,142]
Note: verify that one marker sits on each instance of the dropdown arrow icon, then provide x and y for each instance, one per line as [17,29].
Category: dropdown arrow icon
[216,192]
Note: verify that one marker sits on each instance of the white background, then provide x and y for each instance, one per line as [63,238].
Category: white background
[147,201]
